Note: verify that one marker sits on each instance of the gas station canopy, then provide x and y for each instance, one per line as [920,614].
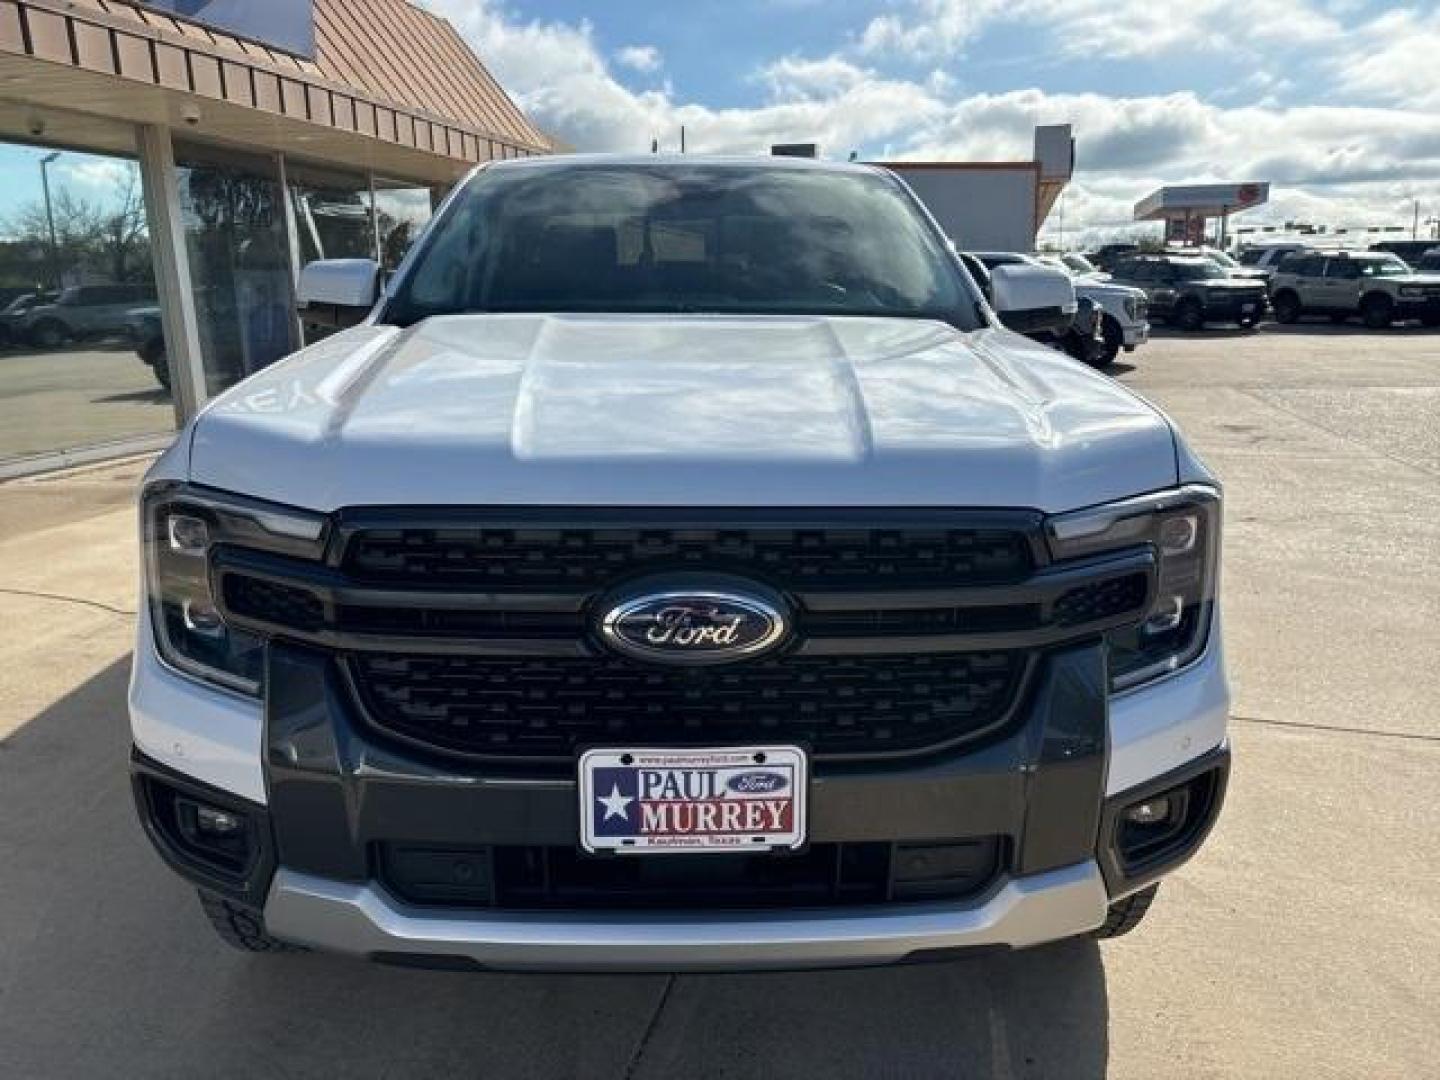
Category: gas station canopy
[1185,210]
[1201,201]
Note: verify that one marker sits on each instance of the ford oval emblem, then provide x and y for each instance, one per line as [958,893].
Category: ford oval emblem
[757,783]
[693,627]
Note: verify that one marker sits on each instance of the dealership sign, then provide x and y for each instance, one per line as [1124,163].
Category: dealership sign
[288,25]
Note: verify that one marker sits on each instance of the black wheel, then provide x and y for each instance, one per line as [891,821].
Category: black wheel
[153,353]
[1190,315]
[242,928]
[1114,340]
[1287,307]
[49,334]
[1378,311]
[1126,914]
[161,368]
[1430,320]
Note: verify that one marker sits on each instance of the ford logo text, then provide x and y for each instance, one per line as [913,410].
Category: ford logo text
[756,783]
[697,627]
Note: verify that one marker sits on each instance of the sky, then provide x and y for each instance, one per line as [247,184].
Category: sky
[94,178]
[1335,102]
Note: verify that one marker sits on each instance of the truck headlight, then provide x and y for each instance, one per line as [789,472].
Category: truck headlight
[1182,527]
[180,528]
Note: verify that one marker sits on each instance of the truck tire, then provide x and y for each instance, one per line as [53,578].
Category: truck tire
[241,928]
[1190,315]
[1114,341]
[49,334]
[1287,306]
[1378,311]
[1126,914]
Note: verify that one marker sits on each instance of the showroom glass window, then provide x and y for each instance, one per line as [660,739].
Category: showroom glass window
[77,294]
[235,234]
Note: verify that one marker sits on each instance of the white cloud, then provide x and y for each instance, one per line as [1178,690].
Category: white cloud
[1395,59]
[1113,29]
[104,174]
[930,28]
[642,58]
[1353,165]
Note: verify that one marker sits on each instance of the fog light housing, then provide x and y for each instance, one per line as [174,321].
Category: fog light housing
[211,834]
[216,822]
[1149,812]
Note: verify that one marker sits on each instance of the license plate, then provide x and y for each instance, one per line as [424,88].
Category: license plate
[1247,309]
[713,800]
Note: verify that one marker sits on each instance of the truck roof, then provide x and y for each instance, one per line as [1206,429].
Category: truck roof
[748,161]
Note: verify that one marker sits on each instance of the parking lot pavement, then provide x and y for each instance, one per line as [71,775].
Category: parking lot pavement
[76,396]
[1302,942]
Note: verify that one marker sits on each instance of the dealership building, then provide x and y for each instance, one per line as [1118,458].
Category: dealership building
[166,169]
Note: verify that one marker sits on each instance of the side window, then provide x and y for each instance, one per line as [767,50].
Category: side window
[1343,269]
[1311,266]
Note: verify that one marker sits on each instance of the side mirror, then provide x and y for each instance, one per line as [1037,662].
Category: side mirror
[338,292]
[1033,300]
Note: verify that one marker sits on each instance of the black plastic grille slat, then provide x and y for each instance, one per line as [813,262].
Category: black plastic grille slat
[1100,600]
[571,559]
[556,878]
[550,708]
[274,602]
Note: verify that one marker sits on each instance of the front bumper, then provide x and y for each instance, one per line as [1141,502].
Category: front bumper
[1418,307]
[1136,334]
[362,920]
[1233,309]
[331,796]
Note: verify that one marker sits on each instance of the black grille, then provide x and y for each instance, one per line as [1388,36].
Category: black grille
[534,878]
[571,559]
[273,602]
[1101,600]
[549,708]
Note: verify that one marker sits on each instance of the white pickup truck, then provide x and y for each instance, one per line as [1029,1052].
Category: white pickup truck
[676,567]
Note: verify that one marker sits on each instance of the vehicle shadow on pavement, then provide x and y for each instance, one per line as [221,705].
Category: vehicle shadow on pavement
[108,968]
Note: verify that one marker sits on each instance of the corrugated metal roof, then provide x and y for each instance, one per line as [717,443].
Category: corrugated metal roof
[389,50]
[399,52]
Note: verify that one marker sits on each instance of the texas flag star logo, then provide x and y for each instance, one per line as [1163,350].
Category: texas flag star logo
[617,800]
[615,803]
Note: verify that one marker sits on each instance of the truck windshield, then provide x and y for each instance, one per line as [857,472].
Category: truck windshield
[725,239]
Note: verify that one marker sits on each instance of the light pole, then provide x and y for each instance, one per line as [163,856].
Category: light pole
[45,163]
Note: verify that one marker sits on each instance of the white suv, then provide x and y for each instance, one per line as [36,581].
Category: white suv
[1378,287]
[679,567]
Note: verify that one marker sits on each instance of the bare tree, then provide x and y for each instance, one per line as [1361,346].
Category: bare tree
[109,238]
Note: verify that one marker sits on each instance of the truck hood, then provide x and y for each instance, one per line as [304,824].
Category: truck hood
[1097,290]
[1233,284]
[681,410]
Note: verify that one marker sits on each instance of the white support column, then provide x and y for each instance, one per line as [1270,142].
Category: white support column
[292,243]
[178,317]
